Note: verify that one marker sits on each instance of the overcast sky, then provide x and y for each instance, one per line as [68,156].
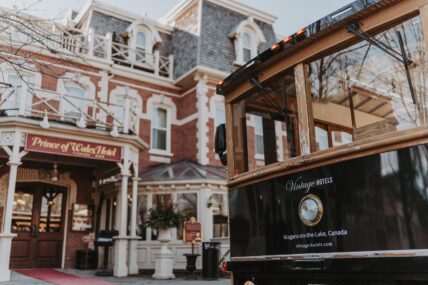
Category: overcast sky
[292,14]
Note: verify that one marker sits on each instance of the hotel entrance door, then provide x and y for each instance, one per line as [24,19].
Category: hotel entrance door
[38,220]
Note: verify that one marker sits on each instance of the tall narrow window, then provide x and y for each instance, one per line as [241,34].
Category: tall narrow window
[160,129]
[141,40]
[246,47]
[141,46]
[258,133]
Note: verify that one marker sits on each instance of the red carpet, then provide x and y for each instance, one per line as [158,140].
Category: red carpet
[60,278]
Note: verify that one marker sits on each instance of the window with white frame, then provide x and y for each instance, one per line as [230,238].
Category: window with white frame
[141,46]
[160,129]
[73,101]
[258,134]
[120,105]
[144,38]
[11,103]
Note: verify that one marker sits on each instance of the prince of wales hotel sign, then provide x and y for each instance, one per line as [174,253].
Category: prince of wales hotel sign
[45,144]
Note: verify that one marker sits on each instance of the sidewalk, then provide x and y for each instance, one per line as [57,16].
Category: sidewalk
[18,279]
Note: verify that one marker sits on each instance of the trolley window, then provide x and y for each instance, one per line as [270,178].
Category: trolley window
[363,91]
[265,124]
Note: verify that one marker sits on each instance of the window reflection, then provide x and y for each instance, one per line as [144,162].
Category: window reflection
[160,200]
[22,214]
[187,206]
[142,216]
[50,213]
[220,216]
[361,91]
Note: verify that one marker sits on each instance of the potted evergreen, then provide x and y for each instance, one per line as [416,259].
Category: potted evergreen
[164,219]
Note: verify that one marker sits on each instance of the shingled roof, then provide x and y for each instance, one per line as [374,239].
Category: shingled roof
[183,170]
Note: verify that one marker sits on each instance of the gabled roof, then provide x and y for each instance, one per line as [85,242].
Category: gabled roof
[183,170]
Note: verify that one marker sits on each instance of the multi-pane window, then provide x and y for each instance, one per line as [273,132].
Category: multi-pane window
[246,47]
[160,129]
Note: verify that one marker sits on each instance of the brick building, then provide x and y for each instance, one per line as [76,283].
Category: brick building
[109,116]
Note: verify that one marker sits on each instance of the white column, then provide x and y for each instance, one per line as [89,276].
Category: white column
[121,242]
[133,265]
[6,236]
[203,113]
[206,218]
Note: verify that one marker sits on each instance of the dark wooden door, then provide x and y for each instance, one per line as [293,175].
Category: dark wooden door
[38,220]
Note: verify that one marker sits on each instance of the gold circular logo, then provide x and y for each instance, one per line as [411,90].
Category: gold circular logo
[311,210]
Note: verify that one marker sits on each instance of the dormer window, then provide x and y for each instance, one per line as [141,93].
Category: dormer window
[247,37]
[144,38]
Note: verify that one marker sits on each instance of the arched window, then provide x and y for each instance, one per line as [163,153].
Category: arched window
[124,99]
[77,92]
[247,37]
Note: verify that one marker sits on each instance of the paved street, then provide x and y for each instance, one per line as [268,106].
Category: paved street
[19,279]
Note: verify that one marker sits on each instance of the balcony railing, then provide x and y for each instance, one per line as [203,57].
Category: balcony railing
[25,101]
[74,42]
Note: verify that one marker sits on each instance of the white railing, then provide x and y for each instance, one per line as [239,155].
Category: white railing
[73,42]
[103,47]
[25,101]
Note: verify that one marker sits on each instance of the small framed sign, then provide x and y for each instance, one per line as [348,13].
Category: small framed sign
[192,231]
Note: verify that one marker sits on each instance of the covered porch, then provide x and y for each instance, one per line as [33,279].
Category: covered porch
[49,194]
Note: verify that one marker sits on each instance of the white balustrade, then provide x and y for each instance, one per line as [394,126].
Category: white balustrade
[26,101]
[75,43]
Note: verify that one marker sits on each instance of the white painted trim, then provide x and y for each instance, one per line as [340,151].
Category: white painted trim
[103,64]
[121,91]
[161,159]
[70,132]
[203,117]
[229,4]
[117,12]
[205,70]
